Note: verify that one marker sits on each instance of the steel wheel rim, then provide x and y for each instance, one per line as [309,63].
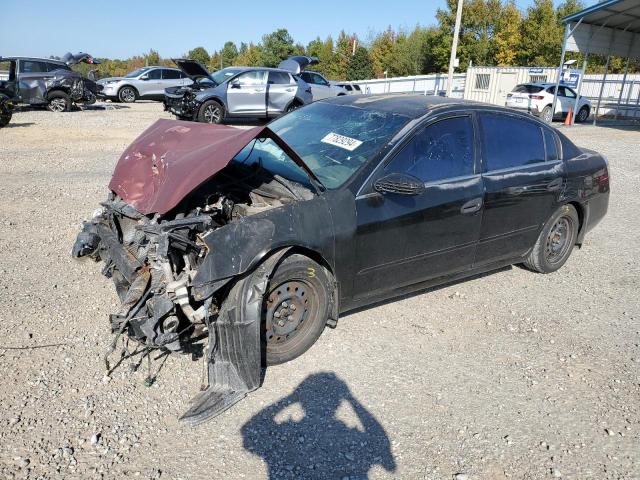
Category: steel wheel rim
[212,114]
[289,308]
[58,105]
[559,240]
[582,115]
[128,95]
[548,117]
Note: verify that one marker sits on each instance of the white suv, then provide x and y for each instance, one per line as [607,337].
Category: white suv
[537,98]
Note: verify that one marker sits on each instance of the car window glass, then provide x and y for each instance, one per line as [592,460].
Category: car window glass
[255,77]
[155,74]
[170,74]
[318,80]
[279,78]
[524,88]
[551,145]
[441,150]
[567,92]
[510,141]
[30,66]
[551,90]
[52,67]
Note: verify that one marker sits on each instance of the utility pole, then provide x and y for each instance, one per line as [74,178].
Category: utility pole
[454,47]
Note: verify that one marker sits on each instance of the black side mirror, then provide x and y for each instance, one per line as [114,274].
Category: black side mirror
[401,183]
[235,84]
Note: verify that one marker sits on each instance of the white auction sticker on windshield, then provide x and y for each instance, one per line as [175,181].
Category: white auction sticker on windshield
[341,141]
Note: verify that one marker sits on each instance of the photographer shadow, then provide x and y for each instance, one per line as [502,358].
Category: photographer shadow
[319,431]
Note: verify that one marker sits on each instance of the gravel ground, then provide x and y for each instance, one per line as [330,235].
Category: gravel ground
[510,375]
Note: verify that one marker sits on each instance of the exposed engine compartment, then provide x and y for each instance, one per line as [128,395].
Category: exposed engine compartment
[152,259]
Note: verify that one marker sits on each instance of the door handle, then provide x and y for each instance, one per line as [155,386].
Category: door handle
[290,89]
[555,185]
[258,90]
[472,206]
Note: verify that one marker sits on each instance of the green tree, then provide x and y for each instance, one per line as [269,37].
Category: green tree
[152,58]
[228,54]
[249,56]
[360,66]
[541,35]
[508,37]
[277,46]
[381,52]
[200,54]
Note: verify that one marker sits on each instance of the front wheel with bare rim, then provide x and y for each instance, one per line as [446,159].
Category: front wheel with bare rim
[556,241]
[296,308]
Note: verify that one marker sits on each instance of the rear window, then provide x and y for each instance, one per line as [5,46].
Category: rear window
[279,78]
[527,89]
[170,74]
[510,141]
[31,66]
[551,145]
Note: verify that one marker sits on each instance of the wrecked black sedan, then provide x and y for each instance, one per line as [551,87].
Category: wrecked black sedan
[257,239]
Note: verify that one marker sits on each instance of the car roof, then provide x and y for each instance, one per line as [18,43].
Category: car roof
[414,105]
[39,59]
[245,69]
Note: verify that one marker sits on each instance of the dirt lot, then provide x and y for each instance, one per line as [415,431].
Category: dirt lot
[512,375]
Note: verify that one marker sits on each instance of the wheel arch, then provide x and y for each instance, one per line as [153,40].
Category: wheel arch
[58,88]
[583,212]
[130,86]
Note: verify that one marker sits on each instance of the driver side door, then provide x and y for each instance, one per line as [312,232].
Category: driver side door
[401,238]
[247,93]
[151,83]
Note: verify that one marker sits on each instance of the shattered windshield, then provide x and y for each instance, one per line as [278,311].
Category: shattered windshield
[136,72]
[268,155]
[336,140]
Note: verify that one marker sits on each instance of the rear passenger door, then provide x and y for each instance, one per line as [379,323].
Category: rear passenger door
[523,177]
[281,89]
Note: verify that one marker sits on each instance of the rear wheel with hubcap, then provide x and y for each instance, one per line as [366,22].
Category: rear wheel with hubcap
[296,308]
[547,114]
[59,102]
[583,114]
[556,241]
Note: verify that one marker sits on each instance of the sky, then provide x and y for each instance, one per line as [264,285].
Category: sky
[120,29]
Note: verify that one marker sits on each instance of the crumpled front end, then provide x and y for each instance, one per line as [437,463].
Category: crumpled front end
[182,101]
[179,292]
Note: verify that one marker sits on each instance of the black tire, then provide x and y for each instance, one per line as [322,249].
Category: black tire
[58,101]
[127,94]
[211,111]
[299,292]
[555,242]
[583,114]
[5,112]
[547,115]
[293,106]
[5,118]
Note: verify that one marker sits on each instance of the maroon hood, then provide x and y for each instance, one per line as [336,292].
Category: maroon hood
[171,158]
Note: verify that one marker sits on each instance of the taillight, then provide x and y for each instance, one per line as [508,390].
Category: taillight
[536,97]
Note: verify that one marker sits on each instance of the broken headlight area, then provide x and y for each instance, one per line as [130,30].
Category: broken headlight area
[153,260]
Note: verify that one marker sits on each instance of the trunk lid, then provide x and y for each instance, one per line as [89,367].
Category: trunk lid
[297,63]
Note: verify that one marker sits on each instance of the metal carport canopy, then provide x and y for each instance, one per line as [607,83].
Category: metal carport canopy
[608,28]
